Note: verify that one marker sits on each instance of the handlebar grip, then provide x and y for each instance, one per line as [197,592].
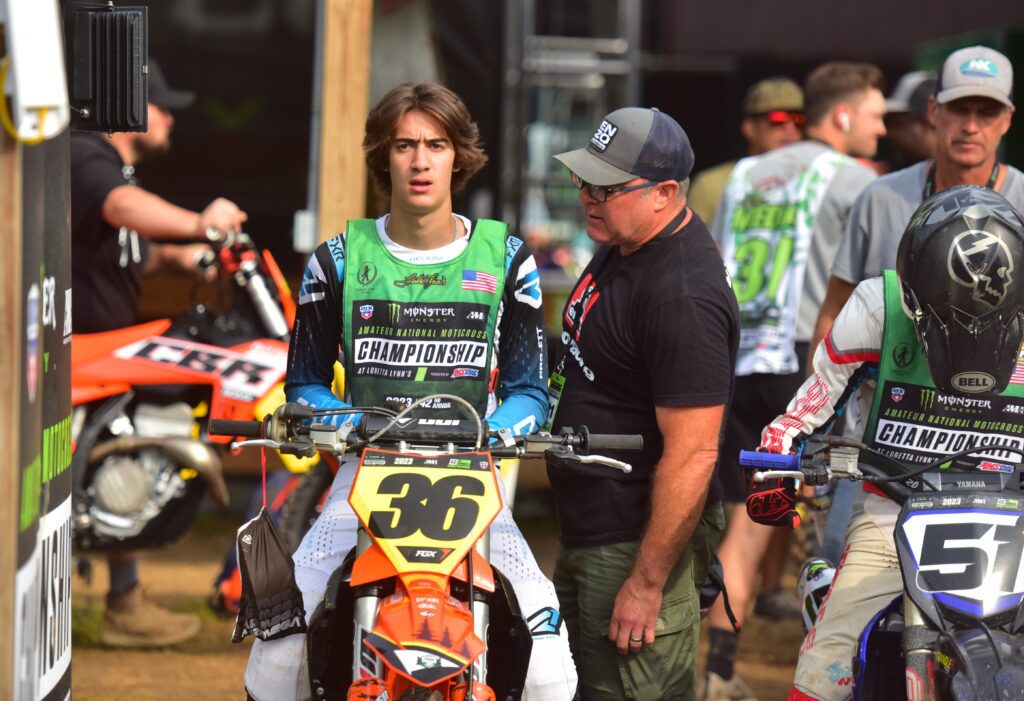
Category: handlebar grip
[614,441]
[293,411]
[772,461]
[228,427]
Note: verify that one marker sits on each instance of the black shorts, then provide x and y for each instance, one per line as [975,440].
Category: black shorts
[756,400]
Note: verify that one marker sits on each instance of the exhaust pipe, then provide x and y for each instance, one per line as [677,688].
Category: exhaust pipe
[187,452]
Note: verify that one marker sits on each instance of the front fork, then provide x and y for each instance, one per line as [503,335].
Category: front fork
[919,642]
[481,611]
[365,605]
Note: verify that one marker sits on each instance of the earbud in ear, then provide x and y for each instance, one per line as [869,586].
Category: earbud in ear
[844,122]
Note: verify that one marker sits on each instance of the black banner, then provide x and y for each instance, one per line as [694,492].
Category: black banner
[43,579]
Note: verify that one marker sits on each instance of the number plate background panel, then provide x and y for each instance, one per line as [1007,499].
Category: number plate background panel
[967,558]
[425,511]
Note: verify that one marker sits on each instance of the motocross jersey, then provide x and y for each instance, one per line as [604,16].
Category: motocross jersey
[873,341]
[766,226]
[489,278]
[420,330]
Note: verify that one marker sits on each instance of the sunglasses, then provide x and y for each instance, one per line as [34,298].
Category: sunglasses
[783,116]
[599,193]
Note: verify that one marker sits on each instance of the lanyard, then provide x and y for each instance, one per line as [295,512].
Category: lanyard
[599,281]
[929,183]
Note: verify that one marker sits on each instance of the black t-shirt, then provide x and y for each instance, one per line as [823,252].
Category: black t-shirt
[659,327]
[106,263]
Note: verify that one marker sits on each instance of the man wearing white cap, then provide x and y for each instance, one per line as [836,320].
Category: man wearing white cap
[971,110]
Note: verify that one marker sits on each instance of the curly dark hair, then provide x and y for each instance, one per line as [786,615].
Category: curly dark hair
[441,104]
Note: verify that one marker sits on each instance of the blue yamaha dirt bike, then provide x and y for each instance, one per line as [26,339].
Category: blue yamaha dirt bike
[957,630]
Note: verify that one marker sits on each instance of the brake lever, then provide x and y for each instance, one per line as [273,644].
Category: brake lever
[566,454]
[760,476]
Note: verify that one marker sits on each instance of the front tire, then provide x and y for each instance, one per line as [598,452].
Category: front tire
[303,505]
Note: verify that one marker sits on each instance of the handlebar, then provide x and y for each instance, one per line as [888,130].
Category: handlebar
[294,429]
[897,480]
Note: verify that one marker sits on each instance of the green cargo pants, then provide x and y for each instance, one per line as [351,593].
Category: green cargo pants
[587,581]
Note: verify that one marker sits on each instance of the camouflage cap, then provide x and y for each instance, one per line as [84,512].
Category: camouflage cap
[777,93]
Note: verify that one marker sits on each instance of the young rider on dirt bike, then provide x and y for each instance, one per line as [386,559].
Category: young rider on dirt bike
[939,341]
[112,223]
[421,301]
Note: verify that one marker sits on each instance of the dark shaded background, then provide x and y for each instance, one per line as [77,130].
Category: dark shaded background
[250,61]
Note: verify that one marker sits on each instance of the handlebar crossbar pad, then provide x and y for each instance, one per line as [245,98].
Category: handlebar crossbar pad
[227,427]
[614,441]
[462,432]
[772,461]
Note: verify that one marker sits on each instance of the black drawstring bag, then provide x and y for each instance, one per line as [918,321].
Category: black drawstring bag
[271,604]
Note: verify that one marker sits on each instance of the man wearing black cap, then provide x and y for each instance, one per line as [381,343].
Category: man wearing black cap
[111,221]
[649,339]
[910,137]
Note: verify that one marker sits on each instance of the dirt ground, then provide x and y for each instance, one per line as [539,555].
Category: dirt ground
[210,667]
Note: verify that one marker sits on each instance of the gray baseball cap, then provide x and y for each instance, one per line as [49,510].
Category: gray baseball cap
[633,142]
[902,96]
[976,71]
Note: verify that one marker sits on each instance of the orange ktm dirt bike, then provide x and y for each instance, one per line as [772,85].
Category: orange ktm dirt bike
[141,395]
[417,611]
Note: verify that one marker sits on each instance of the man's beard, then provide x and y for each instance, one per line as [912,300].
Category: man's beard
[145,150]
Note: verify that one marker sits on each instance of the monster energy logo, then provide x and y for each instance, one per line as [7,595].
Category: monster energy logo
[394,312]
[927,399]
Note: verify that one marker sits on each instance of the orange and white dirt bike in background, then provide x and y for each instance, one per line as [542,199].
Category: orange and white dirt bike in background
[416,612]
[141,397]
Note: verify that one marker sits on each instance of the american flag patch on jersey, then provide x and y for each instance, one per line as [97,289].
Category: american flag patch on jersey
[479,281]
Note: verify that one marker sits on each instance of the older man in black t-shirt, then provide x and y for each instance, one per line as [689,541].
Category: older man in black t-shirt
[649,340]
[112,222]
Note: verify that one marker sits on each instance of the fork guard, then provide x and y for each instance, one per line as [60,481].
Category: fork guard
[329,641]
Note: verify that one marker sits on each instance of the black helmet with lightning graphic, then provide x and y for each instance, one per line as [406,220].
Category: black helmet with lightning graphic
[961,262]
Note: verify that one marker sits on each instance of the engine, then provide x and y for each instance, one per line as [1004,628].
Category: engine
[142,488]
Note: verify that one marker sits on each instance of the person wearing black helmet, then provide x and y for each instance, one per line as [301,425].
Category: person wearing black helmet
[112,222]
[936,344]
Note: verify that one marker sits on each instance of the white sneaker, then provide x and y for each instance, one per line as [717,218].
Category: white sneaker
[718,689]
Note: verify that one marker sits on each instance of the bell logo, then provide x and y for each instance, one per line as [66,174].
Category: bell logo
[974,382]
[603,136]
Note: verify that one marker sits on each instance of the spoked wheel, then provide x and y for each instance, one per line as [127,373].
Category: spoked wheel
[303,505]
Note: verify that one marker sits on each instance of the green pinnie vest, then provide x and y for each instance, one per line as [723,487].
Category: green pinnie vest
[913,422]
[411,330]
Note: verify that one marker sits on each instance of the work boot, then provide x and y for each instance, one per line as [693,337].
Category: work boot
[718,689]
[133,620]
